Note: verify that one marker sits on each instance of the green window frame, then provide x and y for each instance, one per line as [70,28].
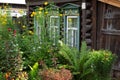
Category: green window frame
[71,14]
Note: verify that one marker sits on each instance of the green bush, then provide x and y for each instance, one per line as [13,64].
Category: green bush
[76,60]
[102,61]
[86,64]
[2,76]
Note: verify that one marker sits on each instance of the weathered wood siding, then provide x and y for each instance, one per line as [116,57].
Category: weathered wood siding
[108,32]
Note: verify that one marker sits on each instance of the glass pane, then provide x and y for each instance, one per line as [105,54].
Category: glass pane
[54,28]
[72,38]
[69,40]
[75,38]
[72,22]
[111,18]
[54,21]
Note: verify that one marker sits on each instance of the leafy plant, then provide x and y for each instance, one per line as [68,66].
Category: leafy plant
[88,65]
[102,64]
[76,59]
[11,56]
[33,75]
[2,76]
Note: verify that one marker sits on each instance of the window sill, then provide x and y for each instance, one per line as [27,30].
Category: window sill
[111,32]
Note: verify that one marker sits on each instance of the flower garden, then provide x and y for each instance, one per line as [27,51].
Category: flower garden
[25,55]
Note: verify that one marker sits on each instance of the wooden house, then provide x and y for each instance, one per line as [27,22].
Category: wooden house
[95,21]
[17,11]
[15,8]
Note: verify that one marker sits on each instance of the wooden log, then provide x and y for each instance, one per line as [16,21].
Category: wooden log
[88,21]
[88,27]
[88,41]
[87,34]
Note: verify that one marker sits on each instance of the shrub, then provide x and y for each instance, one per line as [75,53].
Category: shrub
[86,64]
[102,61]
[76,59]
[55,74]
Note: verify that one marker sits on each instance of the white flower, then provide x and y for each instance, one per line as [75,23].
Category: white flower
[21,52]
[39,47]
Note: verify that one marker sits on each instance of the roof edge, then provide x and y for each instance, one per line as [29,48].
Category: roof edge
[115,3]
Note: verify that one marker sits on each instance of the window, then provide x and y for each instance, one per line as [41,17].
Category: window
[71,25]
[54,28]
[47,24]
[72,31]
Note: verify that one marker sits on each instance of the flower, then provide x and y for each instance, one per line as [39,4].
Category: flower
[41,8]
[70,20]
[9,29]
[7,75]
[45,3]
[39,12]
[23,36]
[61,15]
[21,52]
[4,23]
[46,12]
[23,26]
[4,16]
[31,32]
[20,11]
[33,14]
[18,22]
[14,32]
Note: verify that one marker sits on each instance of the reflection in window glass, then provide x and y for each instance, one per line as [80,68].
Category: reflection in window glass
[72,22]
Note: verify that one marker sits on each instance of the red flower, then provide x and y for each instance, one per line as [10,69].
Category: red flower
[9,29]
[14,32]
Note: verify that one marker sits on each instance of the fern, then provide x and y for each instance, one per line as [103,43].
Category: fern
[77,59]
[71,55]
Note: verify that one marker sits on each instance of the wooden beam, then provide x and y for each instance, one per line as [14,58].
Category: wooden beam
[39,2]
[112,2]
[94,28]
[83,19]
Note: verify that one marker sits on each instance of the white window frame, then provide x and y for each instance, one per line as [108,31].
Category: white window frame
[72,28]
[53,36]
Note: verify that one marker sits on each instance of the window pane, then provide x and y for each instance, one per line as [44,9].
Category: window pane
[69,37]
[54,28]
[72,38]
[54,21]
[72,22]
